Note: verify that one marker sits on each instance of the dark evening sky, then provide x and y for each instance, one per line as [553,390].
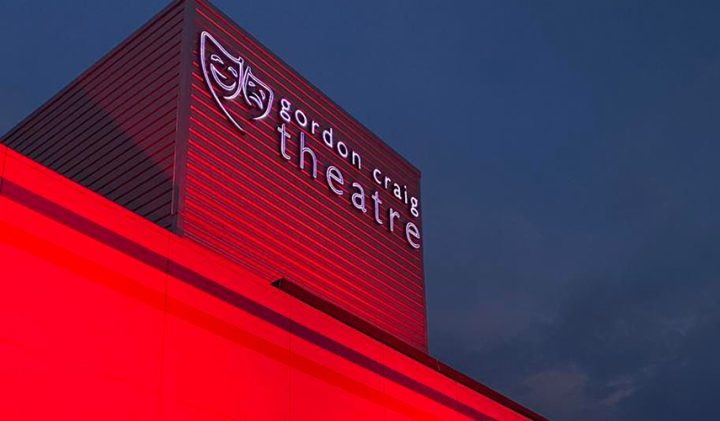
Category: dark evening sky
[571,187]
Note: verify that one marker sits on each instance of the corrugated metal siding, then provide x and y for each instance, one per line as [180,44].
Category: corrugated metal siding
[245,202]
[113,129]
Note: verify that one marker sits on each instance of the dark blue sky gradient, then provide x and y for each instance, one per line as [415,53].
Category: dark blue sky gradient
[569,149]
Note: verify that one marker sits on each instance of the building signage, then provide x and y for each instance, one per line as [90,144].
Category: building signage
[233,85]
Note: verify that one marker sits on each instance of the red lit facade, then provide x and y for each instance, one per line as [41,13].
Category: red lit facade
[142,128]
[243,199]
[180,238]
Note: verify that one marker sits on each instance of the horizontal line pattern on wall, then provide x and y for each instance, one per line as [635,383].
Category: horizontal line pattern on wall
[243,200]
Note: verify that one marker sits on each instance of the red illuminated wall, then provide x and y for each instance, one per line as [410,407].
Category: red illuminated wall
[107,316]
[245,201]
[141,128]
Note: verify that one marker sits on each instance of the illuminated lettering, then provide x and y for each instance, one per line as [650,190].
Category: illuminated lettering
[396,191]
[333,175]
[231,81]
[304,150]
[411,234]
[401,193]
[414,207]
[377,202]
[284,136]
[376,176]
[358,198]
[301,118]
[356,160]
[285,110]
[392,216]
[327,136]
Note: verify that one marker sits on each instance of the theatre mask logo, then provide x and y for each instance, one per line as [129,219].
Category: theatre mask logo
[232,83]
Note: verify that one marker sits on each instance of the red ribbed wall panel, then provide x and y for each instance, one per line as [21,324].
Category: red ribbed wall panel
[243,200]
[114,128]
[142,128]
[106,316]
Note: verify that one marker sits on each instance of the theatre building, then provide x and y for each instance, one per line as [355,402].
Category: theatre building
[191,230]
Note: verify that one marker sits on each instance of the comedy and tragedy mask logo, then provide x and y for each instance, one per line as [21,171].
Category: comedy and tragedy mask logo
[231,81]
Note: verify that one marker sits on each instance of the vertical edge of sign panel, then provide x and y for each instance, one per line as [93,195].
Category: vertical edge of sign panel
[183,114]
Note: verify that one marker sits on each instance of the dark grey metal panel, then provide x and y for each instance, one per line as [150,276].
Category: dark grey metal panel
[114,128]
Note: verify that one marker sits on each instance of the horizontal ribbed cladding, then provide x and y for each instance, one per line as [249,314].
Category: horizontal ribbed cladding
[113,129]
[243,200]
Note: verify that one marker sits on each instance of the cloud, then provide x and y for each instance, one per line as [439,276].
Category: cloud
[563,391]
